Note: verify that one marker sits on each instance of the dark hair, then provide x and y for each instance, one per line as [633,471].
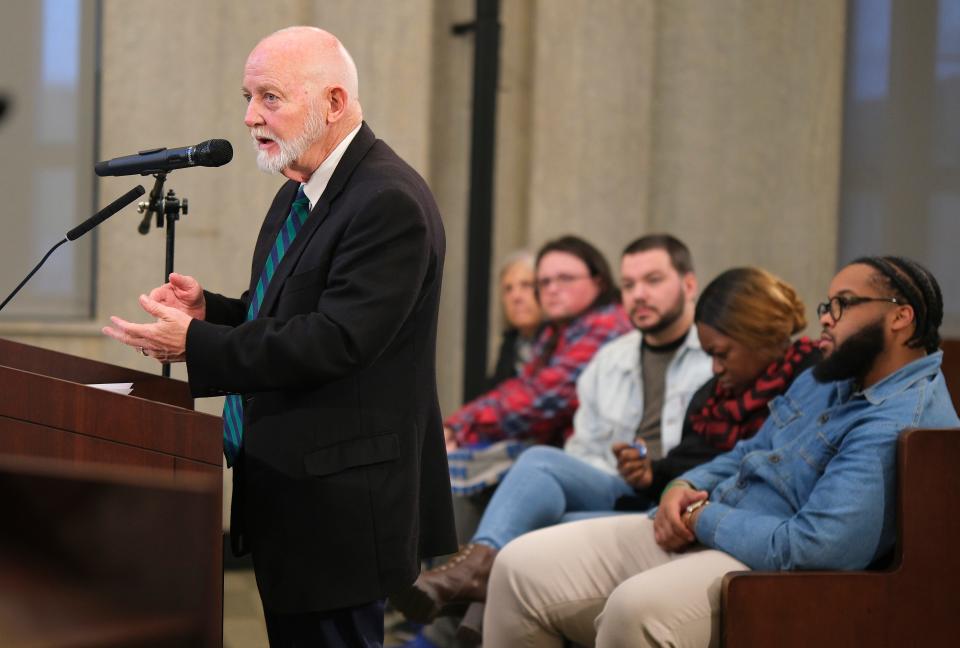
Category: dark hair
[680,257]
[752,306]
[596,264]
[913,283]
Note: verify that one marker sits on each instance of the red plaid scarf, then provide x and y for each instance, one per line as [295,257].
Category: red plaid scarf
[725,419]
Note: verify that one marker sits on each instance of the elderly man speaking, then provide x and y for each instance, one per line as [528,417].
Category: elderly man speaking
[331,421]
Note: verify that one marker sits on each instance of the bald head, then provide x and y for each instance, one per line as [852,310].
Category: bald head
[321,56]
[302,92]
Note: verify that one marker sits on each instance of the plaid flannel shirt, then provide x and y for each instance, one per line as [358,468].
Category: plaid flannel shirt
[538,405]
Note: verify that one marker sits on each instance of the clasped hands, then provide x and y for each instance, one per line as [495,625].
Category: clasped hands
[673,526]
[676,519]
[174,305]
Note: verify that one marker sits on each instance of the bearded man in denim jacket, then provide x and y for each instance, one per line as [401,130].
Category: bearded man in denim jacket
[814,489]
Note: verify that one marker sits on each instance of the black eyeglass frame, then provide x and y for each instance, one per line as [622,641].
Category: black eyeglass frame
[848,301]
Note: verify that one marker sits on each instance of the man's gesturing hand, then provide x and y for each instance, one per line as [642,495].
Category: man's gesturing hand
[183,293]
[165,339]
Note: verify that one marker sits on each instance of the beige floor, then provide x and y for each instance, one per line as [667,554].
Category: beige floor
[243,615]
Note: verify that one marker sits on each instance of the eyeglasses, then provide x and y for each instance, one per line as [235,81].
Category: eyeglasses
[562,280]
[836,305]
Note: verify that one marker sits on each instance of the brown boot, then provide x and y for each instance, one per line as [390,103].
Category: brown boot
[460,580]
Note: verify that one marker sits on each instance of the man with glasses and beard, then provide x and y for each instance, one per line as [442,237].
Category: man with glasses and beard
[814,489]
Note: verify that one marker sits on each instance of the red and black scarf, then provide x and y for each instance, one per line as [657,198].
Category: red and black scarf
[725,418]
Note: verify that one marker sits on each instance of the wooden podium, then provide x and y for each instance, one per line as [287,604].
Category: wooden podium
[115,498]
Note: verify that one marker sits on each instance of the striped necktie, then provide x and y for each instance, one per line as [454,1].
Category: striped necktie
[233,406]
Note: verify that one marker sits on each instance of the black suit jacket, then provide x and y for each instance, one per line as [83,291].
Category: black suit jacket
[342,486]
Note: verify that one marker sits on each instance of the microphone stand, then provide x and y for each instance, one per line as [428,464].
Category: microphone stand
[153,205]
[167,208]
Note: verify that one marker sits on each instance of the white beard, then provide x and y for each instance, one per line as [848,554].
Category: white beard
[290,150]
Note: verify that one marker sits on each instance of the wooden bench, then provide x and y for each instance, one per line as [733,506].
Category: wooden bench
[912,603]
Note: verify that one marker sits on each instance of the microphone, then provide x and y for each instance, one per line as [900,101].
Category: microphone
[212,153]
[79,231]
[105,213]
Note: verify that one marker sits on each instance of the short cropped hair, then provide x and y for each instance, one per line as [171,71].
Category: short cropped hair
[679,253]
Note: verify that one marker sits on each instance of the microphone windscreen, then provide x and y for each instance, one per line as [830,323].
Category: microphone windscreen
[214,153]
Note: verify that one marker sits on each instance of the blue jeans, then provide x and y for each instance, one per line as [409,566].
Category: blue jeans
[545,484]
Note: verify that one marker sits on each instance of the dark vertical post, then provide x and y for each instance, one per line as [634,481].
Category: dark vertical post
[486,69]
[171,219]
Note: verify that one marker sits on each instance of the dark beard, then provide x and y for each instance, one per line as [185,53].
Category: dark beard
[854,358]
[668,318]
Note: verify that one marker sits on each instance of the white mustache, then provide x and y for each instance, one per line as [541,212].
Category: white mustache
[262,133]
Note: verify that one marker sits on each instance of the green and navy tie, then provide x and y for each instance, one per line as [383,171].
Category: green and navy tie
[233,407]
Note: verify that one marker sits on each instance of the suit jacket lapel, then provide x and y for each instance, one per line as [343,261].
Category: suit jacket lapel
[348,163]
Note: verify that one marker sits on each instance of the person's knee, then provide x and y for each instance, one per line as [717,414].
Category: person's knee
[539,454]
[539,458]
[632,615]
[637,614]
[621,615]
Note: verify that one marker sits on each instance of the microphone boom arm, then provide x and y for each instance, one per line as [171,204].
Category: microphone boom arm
[79,231]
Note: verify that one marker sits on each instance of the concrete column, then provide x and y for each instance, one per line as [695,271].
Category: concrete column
[593,67]
[747,107]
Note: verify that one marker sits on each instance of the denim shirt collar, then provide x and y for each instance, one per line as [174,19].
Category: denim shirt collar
[895,383]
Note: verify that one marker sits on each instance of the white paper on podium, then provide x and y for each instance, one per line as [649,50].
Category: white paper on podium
[117,388]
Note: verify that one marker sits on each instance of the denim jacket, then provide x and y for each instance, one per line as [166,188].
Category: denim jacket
[610,391]
[815,488]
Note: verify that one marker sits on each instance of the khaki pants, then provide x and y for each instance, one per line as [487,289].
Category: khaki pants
[603,582]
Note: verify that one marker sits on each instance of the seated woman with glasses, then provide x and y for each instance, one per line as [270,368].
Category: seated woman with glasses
[580,307]
[745,320]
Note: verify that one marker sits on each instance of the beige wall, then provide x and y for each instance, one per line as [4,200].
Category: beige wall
[717,121]
[747,104]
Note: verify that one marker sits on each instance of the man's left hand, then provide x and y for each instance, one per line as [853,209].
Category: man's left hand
[165,339]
